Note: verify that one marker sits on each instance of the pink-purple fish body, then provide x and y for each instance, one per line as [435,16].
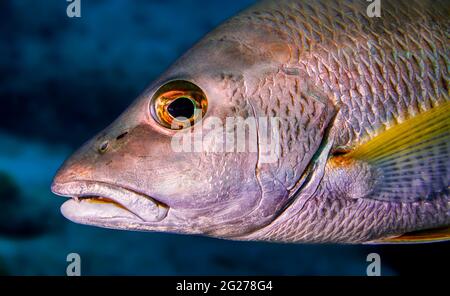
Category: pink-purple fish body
[363,111]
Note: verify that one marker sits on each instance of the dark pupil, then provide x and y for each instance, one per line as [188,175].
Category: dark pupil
[181,107]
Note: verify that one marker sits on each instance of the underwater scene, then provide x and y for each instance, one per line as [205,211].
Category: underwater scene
[65,79]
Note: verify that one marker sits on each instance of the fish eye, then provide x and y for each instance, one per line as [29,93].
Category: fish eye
[178,104]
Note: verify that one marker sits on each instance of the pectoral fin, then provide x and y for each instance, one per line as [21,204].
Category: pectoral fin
[411,159]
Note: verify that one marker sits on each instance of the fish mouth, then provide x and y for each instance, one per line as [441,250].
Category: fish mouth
[93,202]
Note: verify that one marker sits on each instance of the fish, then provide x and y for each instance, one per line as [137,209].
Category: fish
[294,121]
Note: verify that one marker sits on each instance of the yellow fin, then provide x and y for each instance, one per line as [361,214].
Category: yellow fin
[412,159]
[422,236]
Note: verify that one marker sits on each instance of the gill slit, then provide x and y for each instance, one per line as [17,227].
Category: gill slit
[308,181]
[257,156]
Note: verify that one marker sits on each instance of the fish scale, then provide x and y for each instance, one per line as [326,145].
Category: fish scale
[371,43]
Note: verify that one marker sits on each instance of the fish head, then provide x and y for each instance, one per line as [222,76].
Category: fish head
[139,173]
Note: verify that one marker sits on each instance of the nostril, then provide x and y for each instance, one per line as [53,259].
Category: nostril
[103,147]
[121,136]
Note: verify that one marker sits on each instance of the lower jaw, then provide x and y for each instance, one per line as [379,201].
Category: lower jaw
[97,212]
[99,200]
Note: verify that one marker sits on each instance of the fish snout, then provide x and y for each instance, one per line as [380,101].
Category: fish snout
[83,164]
[66,174]
[76,167]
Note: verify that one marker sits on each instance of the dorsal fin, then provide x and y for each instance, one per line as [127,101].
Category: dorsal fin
[411,159]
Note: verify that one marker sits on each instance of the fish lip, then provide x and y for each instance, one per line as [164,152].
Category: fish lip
[142,207]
